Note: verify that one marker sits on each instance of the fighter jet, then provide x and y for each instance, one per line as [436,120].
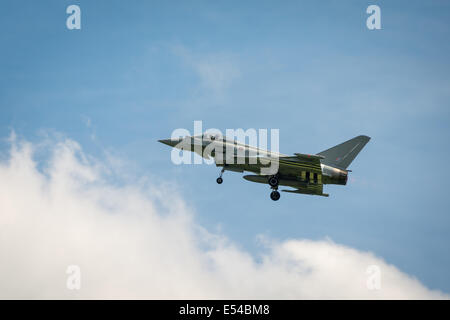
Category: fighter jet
[305,173]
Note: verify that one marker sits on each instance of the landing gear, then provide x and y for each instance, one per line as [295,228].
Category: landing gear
[219,180]
[273,182]
[275,195]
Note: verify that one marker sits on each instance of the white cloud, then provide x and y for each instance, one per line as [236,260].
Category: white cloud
[215,71]
[139,241]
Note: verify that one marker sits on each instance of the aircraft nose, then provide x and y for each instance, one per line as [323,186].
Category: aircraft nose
[169,142]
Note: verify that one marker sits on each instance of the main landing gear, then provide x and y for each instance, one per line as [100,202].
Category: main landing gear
[273,182]
[275,195]
[219,180]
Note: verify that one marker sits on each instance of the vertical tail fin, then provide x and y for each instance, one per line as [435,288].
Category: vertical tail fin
[343,154]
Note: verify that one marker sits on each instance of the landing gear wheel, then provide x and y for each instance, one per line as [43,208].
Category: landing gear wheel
[219,180]
[275,195]
[273,181]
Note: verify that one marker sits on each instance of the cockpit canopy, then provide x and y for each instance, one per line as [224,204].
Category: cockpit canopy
[210,137]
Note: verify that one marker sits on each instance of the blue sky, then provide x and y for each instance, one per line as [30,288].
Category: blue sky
[137,70]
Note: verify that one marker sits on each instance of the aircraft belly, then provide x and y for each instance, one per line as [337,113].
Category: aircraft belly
[282,182]
[241,167]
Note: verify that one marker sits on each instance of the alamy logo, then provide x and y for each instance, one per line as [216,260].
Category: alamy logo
[236,147]
[74,20]
[374,20]
[374,277]
[74,279]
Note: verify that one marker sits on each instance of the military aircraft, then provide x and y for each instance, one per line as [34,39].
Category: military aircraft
[306,173]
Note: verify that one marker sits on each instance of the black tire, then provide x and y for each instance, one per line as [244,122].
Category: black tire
[273,181]
[275,195]
[219,180]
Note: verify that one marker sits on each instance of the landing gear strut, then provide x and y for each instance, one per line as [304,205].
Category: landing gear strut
[273,182]
[219,180]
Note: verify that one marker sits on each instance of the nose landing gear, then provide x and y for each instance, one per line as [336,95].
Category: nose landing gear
[219,180]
